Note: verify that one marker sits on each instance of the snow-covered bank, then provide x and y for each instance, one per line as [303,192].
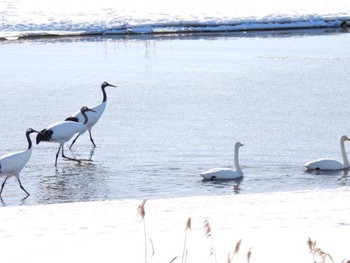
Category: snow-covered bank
[37,18]
[275,225]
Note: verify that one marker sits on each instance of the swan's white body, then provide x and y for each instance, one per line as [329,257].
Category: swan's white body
[62,132]
[92,117]
[11,164]
[225,173]
[330,164]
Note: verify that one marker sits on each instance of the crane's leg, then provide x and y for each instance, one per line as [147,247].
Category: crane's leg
[20,184]
[74,141]
[3,184]
[92,140]
[72,159]
[58,152]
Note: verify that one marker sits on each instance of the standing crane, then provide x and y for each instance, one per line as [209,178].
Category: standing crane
[62,132]
[12,163]
[93,117]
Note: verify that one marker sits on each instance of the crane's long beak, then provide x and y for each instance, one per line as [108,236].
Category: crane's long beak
[112,86]
[90,110]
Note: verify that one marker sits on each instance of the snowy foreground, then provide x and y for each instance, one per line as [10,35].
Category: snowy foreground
[275,226]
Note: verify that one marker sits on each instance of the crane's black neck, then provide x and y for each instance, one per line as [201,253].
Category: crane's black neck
[29,140]
[85,117]
[104,93]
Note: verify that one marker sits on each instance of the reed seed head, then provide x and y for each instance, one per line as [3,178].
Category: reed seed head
[238,245]
[188,223]
[310,244]
[207,229]
[141,209]
[249,254]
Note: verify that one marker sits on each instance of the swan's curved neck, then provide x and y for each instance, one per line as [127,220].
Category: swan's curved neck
[236,161]
[85,117]
[29,140]
[104,94]
[343,153]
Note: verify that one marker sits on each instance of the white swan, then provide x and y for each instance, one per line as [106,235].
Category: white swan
[225,173]
[330,164]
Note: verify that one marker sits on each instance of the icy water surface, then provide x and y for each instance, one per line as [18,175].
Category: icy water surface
[180,105]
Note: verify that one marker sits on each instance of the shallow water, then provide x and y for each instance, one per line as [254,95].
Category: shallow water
[180,105]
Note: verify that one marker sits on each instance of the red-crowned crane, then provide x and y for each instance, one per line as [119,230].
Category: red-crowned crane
[62,132]
[12,163]
[93,117]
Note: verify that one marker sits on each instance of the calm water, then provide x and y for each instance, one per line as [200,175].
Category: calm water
[180,105]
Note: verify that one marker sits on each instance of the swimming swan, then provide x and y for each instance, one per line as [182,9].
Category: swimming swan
[330,164]
[225,173]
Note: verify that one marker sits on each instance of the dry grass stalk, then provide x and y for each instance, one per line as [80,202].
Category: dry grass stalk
[173,259]
[345,260]
[184,252]
[249,254]
[207,233]
[150,240]
[141,212]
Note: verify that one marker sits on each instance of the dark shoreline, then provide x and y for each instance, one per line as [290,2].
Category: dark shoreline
[276,33]
[343,27]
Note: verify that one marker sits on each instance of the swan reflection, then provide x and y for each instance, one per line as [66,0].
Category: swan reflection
[224,184]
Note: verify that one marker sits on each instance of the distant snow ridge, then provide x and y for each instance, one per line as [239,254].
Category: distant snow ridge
[35,18]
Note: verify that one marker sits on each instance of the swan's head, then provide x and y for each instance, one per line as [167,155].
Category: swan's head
[238,144]
[344,138]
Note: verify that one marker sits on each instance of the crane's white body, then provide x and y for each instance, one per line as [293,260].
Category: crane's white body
[62,132]
[93,117]
[225,173]
[11,164]
[331,164]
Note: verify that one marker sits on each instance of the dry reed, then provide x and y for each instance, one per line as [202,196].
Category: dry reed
[188,227]
[236,250]
[207,233]
[249,254]
[142,212]
[317,252]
